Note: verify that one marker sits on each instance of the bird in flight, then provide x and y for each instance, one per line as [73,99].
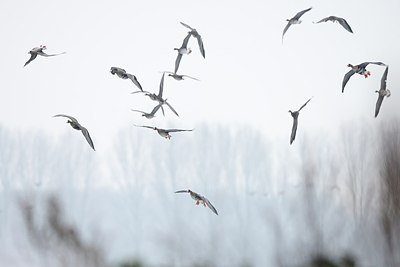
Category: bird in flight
[193,32]
[77,126]
[39,51]
[199,199]
[383,91]
[341,21]
[121,73]
[360,69]
[183,50]
[179,77]
[294,20]
[295,115]
[164,132]
[159,97]
[151,114]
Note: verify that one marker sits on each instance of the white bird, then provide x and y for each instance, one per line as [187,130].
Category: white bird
[199,199]
[294,20]
[77,126]
[39,51]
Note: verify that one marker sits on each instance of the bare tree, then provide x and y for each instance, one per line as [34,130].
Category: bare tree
[389,167]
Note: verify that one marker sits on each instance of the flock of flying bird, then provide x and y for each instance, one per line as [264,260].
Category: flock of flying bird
[359,69]
[121,73]
[184,50]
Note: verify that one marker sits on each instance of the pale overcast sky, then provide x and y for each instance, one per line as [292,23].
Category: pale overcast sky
[248,76]
[248,79]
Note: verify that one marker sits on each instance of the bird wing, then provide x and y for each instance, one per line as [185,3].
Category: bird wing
[344,23]
[160,92]
[186,41]
[208,203]
[384,78]
[294,130]
[346,78]
[201,46]
[378,104]
[301,13]
[170,72]
[178,61]
[162,109]
[41,53]
[33,56]
[69,117]
[145,126]
[182,191]
[177,130]
[191,77]
[145,92]
[285,30]
[155,109]
[138,111]
[135,81]
[187,26]
[326,19]
[304,104]
[173,110]
[363,65]
[85,133]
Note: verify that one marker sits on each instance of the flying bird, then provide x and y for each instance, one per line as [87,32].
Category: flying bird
[341,21]
[382,92]
[199,199]
[121,73]
[159,97]
[360,69]
[151,114]
[179,77]
[77,126]
[39,51]
[183,50]
[294,20]
[193,32]
[164,132]
[295,115]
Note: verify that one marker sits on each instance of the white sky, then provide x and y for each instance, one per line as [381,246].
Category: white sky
[248,76]
[247,79]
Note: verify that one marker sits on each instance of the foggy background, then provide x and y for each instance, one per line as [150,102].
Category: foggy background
[331,194]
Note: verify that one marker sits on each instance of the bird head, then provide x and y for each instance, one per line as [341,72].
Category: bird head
[113,70]
[349,65]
